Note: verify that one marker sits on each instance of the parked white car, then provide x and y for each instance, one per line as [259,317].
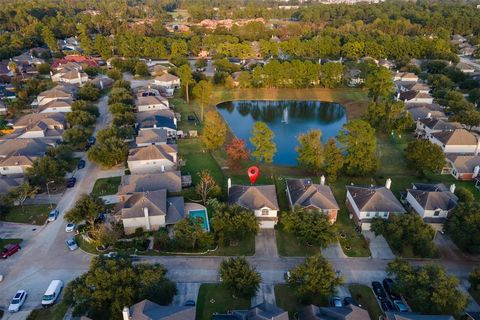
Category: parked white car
[71,244]
[70,227]
[52,216]
[17,301]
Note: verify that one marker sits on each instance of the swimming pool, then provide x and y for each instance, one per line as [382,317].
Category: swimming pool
[202,214]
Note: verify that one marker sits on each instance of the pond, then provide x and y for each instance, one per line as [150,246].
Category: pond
[287,119]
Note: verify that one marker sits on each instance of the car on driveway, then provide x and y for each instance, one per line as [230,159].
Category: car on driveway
[81,164]
[336,302]
[189,303]
[71,244]
[400,306]
[52,216]
[71,182]
[10,249]
[387,305]
[388,285]
[70,227]
[17,301]
[378,290]
[112,254]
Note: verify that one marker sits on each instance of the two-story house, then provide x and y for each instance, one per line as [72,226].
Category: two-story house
[456,141]
[152,159]
[151,103]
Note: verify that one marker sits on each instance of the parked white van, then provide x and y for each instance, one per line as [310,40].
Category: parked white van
[52,293]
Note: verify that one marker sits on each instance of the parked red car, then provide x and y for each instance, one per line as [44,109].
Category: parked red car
[10,249]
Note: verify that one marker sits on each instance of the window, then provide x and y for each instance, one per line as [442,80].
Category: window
[436,213]
[265,212]
[385,214]
[367,214]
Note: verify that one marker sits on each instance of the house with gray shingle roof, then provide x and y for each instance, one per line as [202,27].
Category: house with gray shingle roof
[160,119]
[170,181]
[432,202]
[414,96]
[151,103]
[148,310]
[462,167]
[456,141]
[152,159]
[421,111]
[8,183]
[262,200]
[430,125]
[152,136]
[368,202]
[16,165]
[306,194]
[349,312]
[23,147]
[414,316]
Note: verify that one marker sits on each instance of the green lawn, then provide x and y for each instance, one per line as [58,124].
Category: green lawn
[215,298]
[288,245]
[245,247]
[86,246]
[31,214]
[287,300]
[4,242]
[106,186]
[365,297]
[57,312]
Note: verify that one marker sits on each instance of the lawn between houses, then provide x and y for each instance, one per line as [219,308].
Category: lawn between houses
[29,214]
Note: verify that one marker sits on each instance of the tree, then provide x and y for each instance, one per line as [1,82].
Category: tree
[114,74]
[105,236]
[189,234]
[311,227]
[214,132]
[87,208]
[406,231]
[239,278]
[186,78]
[463,226]
[89,92]
[12,66]
[232,223]
[80,118]
[314,277]
[429,289]
[46,169]
[201,63]
[82,105]
[111,284]
[84,38]
[207,186]
[43,68]
[333,160]
[262,140]
[21,193]
[109,152]
[464,195]
[120,95]
[474,279]
[310,151]
[469,117]
[424,156]
[119,108]
[358,142]
[76,137]
[141,69]
[236,152]
[49,39]
[379,83]
[203,93]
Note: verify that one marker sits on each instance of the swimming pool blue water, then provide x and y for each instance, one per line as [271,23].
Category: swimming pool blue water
[202,214]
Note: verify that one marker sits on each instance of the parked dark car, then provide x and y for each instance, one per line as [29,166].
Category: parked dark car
[378,290]
[10,249]
[189,303]
[91,141]
[387,305]
[81,164]
[350,300]
[388,285]
[71,182]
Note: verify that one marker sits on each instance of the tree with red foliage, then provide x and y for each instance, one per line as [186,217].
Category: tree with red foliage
[236,152]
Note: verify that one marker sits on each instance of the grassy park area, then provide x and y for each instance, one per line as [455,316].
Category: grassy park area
[30,214]
[106,186]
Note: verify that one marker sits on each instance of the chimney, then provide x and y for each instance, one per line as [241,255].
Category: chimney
[147,218]
[452,188]
[476,170]
[126,313]
[229,184]
[429,115]
[322,180]
[388,183]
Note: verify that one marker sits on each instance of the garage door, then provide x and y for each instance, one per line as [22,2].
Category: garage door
[267,224]
[366,226]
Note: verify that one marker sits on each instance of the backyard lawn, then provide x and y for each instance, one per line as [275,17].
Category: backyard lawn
[4,242]
[30,214]
[287,300]
[57,312]
[215,298]
[365,297]
[106,186]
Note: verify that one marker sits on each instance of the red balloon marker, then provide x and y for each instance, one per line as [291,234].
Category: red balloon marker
[253,173]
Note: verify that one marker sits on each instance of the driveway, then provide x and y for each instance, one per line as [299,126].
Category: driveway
[449,251]
[186,291]
[266,244]
[265,293]
[378,246]
[333,250]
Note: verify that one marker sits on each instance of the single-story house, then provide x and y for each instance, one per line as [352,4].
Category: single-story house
[405,77]
[456,141]
[55,106]
[161,119]
[148,310]
[465,67]
[420,111]
[170,181]
[150,103]
[262,200]
[414,96]
[263,311]
[167,80]
[56,93]
[368,202]
[74,77]
[306,194]
[152,159]
[414,316]
[152,136]
[16,165]
[463,167]
[432,202]
[150,211]
[428,126]
[349,312]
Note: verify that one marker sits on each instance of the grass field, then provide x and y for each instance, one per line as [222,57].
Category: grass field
[106,186]
[365,297]
[288,245]
[30,214]
[287,300]
[57,312]
[215,298]
[4,242]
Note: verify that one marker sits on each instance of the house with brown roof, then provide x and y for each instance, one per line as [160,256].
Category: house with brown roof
[306,194]
[74,77]
[349,312]
[25,147]
[56,93]
[462,167]
[152,159]
[151,103]
[16,165]
[170,181]
[148,310]
[56,106]
[415,86]
[456,141]
[414,96]
[262,200]
[368,202]
[150,210]
[432,202]
[465,67]
[152,136]
[168,82]
[158,70]
[405,77]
